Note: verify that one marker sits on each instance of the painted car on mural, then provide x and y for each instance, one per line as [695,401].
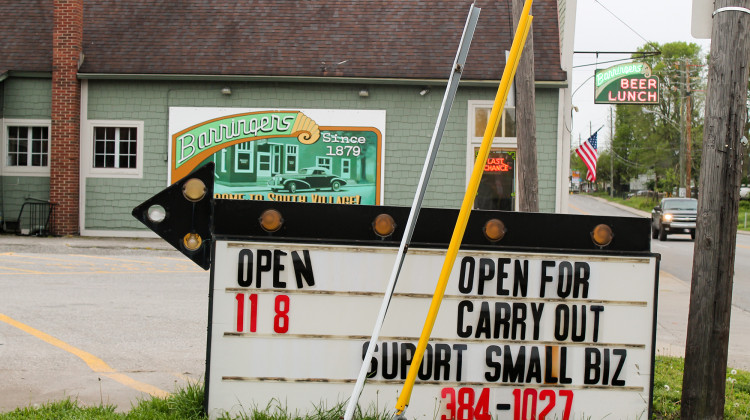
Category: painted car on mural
[308,178]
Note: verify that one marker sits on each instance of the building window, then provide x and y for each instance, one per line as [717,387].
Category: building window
[324,162]
[346,168]
[264,163]
[497,188]
[291,158]
[506,128]
[497,185]
[116,148]
[26,147]
[243,157]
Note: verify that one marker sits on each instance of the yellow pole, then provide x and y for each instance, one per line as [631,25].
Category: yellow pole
[471,191]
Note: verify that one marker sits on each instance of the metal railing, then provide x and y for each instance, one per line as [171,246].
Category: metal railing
[34,217]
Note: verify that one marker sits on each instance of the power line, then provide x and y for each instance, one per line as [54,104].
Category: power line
[603,62]
[623,22]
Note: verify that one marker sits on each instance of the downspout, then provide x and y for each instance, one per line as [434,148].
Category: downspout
[3,76]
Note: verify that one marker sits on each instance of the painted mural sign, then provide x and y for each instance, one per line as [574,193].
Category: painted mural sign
[305,155]
[629,83]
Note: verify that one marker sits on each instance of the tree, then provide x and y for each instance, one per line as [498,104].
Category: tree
[649,139]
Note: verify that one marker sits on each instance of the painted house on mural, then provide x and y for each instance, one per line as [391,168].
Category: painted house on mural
[104,103]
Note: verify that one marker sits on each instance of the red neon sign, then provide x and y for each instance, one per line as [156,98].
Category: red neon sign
[496,165]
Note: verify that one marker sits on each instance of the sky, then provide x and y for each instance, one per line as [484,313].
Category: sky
[598,29]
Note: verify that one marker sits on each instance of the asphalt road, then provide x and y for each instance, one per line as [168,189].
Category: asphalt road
[675,274]
[114,320]
[99,321]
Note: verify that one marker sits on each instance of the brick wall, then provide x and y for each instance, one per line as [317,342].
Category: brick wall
[67,35]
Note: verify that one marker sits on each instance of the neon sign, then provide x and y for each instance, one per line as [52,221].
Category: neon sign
[496,165]
[630,83]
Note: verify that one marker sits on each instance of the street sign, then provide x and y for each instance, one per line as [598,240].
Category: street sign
[543,320]
[701,19]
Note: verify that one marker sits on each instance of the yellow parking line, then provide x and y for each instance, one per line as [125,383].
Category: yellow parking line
[32,257]
[577,209]
[743,246]
[22,270]
[94,363]
[65,273]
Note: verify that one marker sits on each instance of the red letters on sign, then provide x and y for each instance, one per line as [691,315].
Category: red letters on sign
[638,84]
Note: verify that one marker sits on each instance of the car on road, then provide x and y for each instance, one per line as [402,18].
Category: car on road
[745,192]
[674,215]
[315,178]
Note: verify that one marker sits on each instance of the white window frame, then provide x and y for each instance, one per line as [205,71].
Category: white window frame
[476,142]
[246,149]
[223,157]
[324,162]
[260,156]
[24,170]
[87,138]
[291,150]
[276,163]
[346,168]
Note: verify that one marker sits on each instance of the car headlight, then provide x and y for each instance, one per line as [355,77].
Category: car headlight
[667,217]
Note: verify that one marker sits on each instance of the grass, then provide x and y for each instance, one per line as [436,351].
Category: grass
[187,403]
[668,390]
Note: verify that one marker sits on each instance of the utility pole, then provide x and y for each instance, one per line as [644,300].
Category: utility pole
[528,177]
[689,130]
[718,203]
[688,141]
[612,154]
[683,147]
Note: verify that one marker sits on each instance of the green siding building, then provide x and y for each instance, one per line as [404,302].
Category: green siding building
[388,76]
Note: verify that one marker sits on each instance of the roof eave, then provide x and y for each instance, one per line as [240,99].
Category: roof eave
[550,84]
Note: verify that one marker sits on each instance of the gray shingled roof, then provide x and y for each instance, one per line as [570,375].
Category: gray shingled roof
[414,39]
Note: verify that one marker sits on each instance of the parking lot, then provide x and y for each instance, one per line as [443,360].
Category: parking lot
[99,320]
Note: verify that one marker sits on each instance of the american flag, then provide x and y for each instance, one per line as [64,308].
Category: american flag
[587,152]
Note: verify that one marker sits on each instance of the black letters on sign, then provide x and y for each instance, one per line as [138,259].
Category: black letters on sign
[466,279]
[264,264]
[277,267]
[303,269]
[251,265]
[245,268]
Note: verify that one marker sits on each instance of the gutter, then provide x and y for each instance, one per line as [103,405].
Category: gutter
[28,74]
[543,84]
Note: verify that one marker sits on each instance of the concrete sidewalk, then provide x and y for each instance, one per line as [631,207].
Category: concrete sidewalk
[81,244]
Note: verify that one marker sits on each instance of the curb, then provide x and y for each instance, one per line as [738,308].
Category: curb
[636,212]
[83,244]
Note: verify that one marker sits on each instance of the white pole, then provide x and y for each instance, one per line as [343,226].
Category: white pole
[450,93]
